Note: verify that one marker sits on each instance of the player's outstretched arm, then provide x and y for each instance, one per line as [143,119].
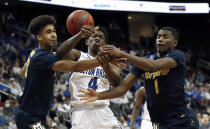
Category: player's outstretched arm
[65,49]
[78,66]
[75,66]
[112,74]
[91,95]
[141,62]
[140,97]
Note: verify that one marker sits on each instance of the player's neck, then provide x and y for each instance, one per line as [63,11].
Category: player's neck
[160,55]
[91,53]
[45,48]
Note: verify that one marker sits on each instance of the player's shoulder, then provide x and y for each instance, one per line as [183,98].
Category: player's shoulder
[43,55]
[85,55]
[42,52]
[177,52]
[178,56]
[39,51]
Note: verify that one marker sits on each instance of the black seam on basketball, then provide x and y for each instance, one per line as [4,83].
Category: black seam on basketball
[72,23]
[87,21]
[82,19]
[72,20]
[75,25]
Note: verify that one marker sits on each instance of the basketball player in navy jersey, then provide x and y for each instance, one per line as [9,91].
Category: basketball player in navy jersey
[164,74]
[39,71]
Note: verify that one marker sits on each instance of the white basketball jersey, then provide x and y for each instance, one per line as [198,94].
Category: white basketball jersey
[145,113]
[93,78]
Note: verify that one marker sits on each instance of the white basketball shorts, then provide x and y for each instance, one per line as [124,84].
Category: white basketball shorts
[146,124]
[94,119]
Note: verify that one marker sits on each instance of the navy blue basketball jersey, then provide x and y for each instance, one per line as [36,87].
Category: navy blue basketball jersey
[165,88]
[39,81]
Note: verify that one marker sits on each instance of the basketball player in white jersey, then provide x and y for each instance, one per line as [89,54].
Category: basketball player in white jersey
[140,101]
[95,115]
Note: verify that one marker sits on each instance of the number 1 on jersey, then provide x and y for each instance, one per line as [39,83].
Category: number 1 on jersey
[156,87]
[93,83]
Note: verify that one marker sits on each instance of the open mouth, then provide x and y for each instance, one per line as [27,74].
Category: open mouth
[97,44]
[160,45]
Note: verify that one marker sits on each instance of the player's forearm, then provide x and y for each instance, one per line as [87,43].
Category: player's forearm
[75,66]
[79,66]
[67,45]
[135,113]
[113,93]
[141,62]
[87,64]
[119,90]
[112,75]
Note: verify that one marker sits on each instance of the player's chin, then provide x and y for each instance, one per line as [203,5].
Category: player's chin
[96,49]
[53,44]
[96,46]
[161,49]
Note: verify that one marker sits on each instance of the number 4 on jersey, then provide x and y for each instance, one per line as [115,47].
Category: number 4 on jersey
[93,83]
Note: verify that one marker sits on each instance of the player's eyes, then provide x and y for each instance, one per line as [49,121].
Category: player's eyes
[101,37]
[48,31]
[165,37]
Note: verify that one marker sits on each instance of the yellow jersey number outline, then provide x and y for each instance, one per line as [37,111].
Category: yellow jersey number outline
[157,91]
[27,63]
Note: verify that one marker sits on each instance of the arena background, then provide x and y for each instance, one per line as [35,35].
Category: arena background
[133,32]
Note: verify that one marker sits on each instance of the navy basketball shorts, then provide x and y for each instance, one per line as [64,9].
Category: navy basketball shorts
[26,121]
[186,120]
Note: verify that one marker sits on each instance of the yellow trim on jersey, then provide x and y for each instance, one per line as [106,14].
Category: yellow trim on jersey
[28,61]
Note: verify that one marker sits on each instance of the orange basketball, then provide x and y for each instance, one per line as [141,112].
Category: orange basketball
[77,19]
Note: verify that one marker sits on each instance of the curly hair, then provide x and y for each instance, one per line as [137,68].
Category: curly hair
[39,22]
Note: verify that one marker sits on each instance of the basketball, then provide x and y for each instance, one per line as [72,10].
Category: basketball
[77,19]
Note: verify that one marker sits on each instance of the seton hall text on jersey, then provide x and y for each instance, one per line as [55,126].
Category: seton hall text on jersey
[95,72]
[153,75]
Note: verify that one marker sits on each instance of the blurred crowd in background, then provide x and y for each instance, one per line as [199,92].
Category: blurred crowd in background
[16,44]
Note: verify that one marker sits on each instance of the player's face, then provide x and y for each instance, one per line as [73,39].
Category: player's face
[48,37]
[165,42]
[95,41]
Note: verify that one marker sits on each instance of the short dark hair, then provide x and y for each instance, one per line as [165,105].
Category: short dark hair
[173,31]
[104,30]
[39,22]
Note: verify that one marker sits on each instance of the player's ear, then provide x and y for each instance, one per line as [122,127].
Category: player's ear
[175,43]
[39,37]
[86,41]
